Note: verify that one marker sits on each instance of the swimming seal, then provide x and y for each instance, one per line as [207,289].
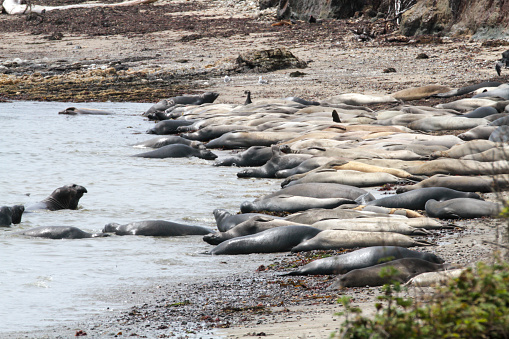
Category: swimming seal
[462,208]
[164,141]
[279,239]
[156,228]
[405,269]
[86,111]
[178,151]
[65,197]
[59,232]
[365,257]
[416,199]
[11,214]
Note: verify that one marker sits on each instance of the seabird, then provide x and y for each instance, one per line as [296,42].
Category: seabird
[248,99]
[227,79]
[262,81]
[503,62]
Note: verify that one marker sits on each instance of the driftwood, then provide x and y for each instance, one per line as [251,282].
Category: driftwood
[17,7]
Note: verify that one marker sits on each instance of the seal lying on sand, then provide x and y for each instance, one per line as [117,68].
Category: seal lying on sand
[207,97]
[340,239]
[462,208]
[65,197]
[416,199]
[59,232]
[279,239]
[365,257]
[157,228]
[11,214]
[405,269]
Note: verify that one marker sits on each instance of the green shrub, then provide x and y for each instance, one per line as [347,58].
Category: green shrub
[475,305]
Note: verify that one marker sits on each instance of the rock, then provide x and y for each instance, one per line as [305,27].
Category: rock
[337,9]
[265,60]
[264,4]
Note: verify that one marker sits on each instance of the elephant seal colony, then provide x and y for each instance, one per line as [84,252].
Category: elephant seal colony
[371,194]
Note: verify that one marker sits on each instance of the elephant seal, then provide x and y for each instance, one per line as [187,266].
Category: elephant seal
[481,112]
[11,214]
[500,134]
[291,204]
[478,133]
[59,232]
[279,161]
[232,140]
[253,225]
[207,97]
[446,123]
[344,177]
[169,126]
[501,91]
[357,99]
[164,141]
[88,111]
[462,208]
[428,279]
[467,89]
[381,225]
[303,101]
[178,151]
[493,154]
[416,199]
[468,104]
[463,167]
[155,228]
[225,220]
[341,239]
[482,184]
[253,156]
[365,257]
[65,197]
[321,190]
[405,269]
[211,132]
[279,239]
[416,93]
[304,167]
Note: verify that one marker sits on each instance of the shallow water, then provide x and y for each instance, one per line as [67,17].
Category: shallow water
[48,282]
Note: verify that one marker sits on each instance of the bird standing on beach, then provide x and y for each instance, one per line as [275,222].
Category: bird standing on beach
[503,62]
[227,79]
[248,98]
[262,81]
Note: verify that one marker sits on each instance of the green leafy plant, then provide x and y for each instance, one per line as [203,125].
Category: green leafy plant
[475,305]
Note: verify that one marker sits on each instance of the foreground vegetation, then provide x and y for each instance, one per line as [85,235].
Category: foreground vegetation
[475,305]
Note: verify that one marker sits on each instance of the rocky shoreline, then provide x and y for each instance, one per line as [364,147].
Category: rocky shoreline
[90,61]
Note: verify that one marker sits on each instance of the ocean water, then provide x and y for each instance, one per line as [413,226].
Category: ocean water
[48,282]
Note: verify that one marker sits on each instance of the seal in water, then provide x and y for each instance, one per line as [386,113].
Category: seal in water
[178,151]
[88,111]
[365,257]
[406,269]
[59,232]
[156,228]
[65,197]
[11,214]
